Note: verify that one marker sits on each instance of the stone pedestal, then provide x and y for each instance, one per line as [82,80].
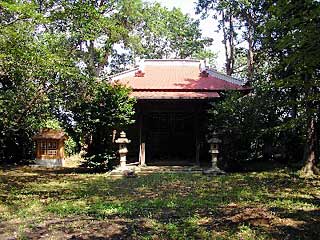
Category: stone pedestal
[49,163]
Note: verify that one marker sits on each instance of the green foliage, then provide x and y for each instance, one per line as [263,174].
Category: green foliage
[120,62]
[207,54]
[51,123]
[108,108]
[238,21]
[169,33]
[34,71]
[46,70]
[93,28]
[289,37]
[101,161]
[70,146]
[275,120]
[251,130]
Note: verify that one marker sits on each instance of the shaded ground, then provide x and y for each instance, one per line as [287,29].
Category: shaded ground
[66,204]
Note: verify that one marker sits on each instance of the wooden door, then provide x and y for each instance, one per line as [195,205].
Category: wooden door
[170,137]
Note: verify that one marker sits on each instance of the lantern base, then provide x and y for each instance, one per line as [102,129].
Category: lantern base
[127,171]
[213,171]
[49,162]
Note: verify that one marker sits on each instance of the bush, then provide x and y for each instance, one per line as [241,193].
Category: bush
[101,162]
[109,108]
[70,146]
[251,130]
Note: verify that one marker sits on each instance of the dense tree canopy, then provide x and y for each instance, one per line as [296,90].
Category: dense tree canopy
[290,42]
[280,118]
[93,27]
[53,55]
[238,20]
[44,73]
[169,33]
[35,69]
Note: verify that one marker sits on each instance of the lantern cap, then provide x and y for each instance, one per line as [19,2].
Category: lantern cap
[123,134]
[123,138]
[214,140]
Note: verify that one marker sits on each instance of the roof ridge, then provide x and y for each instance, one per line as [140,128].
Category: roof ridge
[225,77]
[174,90]
[122,73]
[171,60]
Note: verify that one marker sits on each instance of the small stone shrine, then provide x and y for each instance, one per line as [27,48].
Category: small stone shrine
[50,147]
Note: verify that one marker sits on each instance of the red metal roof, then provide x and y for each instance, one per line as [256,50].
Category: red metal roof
[48,133]
[176,79]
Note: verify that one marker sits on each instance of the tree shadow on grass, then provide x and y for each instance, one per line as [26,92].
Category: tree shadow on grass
[167,205]
[301,224]
[168,200]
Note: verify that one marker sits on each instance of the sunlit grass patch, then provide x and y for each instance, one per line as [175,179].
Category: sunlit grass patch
[4,211]
[67,207]
[246,232]
[29,209]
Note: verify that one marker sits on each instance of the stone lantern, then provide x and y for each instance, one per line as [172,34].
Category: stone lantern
[123,141]
[214,152]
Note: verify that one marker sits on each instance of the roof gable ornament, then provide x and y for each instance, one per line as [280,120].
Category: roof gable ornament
[203,68]
[140,64]
[139,73]
[204,73]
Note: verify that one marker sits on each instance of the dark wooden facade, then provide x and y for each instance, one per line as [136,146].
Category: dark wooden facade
[169,132]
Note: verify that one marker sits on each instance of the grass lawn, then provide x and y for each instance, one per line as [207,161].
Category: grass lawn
[64,204]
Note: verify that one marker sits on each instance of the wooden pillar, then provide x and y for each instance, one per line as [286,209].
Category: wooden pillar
[197,143]
[142,144]
[38,147]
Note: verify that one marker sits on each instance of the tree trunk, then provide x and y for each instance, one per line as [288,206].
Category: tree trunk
[228,41]
[231,44]
[310,153]
[92,58]
[250,49]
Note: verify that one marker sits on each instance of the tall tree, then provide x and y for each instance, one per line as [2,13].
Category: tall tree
[287,43]
[93,28]
[169,33]
[290,43]
[35,69]
[237,21]
[109,108]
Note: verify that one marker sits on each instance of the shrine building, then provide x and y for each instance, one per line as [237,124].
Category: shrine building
[173,97]
[50,147]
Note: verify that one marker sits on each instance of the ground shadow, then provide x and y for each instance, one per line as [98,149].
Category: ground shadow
[166,205]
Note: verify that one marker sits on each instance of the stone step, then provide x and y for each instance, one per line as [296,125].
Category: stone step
[138,170]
